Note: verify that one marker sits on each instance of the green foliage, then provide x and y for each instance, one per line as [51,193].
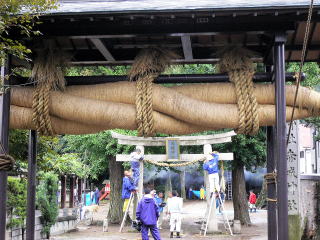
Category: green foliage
[17,201]
[95,150]
[67,163]
[47,200]
[249,151]
[312,71]
[20,16]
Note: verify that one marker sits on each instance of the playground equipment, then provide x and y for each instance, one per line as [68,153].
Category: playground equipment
[105,191]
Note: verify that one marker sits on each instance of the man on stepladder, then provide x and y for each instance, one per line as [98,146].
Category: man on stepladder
[212,167]
[135,158]
[127,188]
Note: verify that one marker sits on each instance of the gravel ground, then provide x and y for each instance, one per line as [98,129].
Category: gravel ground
[192,216]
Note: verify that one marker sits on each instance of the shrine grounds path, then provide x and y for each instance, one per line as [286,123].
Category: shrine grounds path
[193,213]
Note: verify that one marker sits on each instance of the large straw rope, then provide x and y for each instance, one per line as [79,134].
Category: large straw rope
[6,161]
[48,75]
[41,115]
[182,164]
[146,67]
[237,63]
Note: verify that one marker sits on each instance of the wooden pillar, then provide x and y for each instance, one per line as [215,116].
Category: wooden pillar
[63,191]
[79,189]
[4,137]
[71,195]
[271,188]
[31,193]
[281,149]
[213,222]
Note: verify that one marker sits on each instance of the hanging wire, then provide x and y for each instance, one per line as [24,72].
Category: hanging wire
[303,55]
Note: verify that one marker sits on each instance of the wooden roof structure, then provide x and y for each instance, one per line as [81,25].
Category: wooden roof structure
[112,32]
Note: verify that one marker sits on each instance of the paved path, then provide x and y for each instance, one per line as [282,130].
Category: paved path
[193,213]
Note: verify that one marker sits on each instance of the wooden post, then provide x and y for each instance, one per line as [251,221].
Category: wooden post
[4,137]
[71,195]
[63,191]
[31,193]
[79,189]
[281,149]
[213,223]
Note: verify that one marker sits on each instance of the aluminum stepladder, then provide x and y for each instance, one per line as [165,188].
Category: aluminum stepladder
[132,195]
[204,225]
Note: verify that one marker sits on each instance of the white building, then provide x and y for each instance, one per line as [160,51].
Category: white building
[309,149]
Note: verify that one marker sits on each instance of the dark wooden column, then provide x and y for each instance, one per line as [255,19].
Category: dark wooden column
[79,189]
[271,166]
[71,195]
[4,137]
[281,148]
[63,191]
[31,193]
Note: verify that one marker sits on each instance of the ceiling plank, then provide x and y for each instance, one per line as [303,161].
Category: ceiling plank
[102,49]
[187,48]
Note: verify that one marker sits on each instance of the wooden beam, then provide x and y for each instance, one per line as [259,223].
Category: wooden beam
[183,157]
[102,49]
[187,48]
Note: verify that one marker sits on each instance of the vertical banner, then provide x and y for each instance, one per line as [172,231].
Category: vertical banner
[293,169]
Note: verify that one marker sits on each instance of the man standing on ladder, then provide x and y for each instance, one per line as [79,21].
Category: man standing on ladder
[135,158]
[212,167]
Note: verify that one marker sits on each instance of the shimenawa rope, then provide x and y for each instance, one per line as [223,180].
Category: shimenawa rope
[240,68]
[6,161]
[182,164]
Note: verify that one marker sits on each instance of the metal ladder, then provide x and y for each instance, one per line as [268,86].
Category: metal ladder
[204,224]
[132,196]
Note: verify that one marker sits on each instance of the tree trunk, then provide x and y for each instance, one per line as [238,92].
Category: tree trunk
[183,184]
[240,201]
[115,213]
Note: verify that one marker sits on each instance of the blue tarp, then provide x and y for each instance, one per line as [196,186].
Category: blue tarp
[197,193]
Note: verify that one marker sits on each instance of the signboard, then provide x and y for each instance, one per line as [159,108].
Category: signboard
[172,149]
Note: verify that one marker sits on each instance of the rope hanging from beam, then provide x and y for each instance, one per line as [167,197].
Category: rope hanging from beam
[237,63]
[270,178]
[48,75]
[6,161]
[182,164]
[147,66]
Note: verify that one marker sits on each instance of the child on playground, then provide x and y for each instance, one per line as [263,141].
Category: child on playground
[148,214]
[159,201]
[252,201]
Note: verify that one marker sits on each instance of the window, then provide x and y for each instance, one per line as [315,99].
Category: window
[301,154]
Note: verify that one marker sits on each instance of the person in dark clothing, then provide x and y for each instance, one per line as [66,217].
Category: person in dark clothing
[96,196]
[148,214]
[127,188]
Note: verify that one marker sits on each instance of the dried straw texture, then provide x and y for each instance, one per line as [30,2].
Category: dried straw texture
[147,66]
[240,68]
[185,109]
[48,75]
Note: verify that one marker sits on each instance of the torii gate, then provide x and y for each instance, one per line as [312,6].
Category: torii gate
[205,140]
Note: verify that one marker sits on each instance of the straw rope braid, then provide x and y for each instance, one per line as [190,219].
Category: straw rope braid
[40,106]
[6,161]
[48,75]
[270,178]
[164,164]
[147,66]
[302,59]
[237,63]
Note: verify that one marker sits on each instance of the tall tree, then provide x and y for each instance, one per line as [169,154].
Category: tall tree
[250,153]
[20,16]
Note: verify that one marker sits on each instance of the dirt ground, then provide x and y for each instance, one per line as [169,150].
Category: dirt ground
[192,216]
